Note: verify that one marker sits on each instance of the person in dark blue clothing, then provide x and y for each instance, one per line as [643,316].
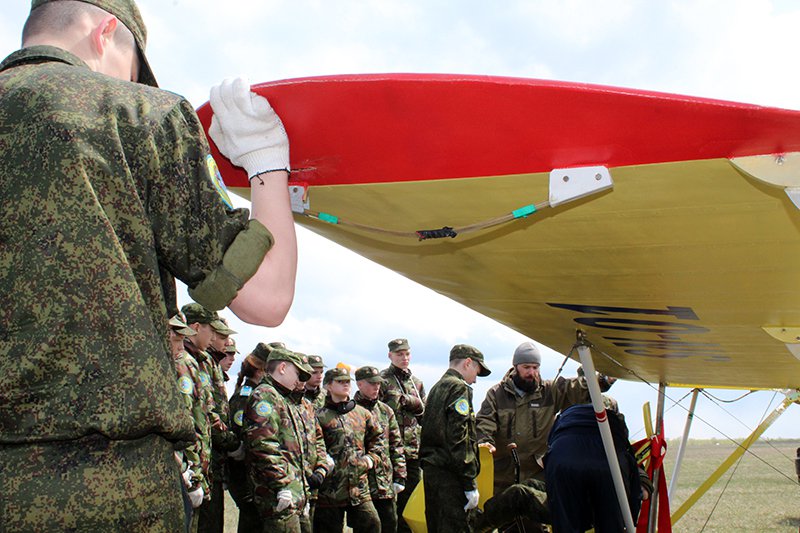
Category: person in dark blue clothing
[580,490]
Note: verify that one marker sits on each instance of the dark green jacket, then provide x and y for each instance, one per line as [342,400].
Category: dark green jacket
[405,394]
[448,430]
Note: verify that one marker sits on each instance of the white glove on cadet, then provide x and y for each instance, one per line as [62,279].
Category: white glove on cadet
[246,129]
[472,499]
[187,477]
[196,497]
[398,488]
[284,500]
[370,464]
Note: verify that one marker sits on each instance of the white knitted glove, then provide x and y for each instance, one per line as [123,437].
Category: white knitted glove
[284,500]
[398,488]
[187,477]
[472,499]
[196,497]
[246,129]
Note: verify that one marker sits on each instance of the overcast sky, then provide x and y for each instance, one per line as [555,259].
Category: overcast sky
[346,308]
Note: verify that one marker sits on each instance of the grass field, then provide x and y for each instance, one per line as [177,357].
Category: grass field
[762,495]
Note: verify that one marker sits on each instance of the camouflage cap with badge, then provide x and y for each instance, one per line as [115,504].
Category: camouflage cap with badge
[197,314]
[179,325]
[261,351]
[465,351]
[230,347]
[369,374]
[282,354]
[315,361]
[338,373]
[398,344]
[128,13]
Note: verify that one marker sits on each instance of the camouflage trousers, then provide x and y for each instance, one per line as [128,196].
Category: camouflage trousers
[444,502]
[387,512]
[90,485]
[361,518]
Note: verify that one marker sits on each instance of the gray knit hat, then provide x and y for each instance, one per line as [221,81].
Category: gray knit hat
[527,353]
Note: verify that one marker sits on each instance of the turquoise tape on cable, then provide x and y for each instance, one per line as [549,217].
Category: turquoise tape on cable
[524,211]
[330,219]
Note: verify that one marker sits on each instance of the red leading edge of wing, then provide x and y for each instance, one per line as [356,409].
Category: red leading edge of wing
[379,128]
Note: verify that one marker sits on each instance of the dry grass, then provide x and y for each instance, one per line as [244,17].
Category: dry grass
[758,497]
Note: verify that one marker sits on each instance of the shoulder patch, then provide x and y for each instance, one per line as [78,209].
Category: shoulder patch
[263,408]
[185,385]
[462,406]
[204,379]
[238,418]
[247,390]
[216,179]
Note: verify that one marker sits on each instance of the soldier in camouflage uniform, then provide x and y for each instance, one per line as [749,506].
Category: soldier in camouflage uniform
[195,458]
[313,389]
[224,441]
[388,478]
[252,371]
[273,437]
[318,464]
[353,440]
[449,449]
[405,394]
[94,166]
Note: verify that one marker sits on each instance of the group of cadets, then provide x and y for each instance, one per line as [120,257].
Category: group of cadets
[299,452]
[295,449]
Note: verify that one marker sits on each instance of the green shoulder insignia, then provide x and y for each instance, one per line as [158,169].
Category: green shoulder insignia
[263,408]
[216,179]
[462,406]
[185,385]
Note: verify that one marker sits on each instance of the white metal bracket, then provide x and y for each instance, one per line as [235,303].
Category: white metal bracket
[567,184]
[298,198]
[779,170]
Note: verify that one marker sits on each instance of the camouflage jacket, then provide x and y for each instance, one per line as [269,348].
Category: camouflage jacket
[392,467]
[448,434]
[238,482]
[509,415]
[316,397]
[274,440]
[405,394]
[351,434]
[95,168]
[314,451]
[197,398]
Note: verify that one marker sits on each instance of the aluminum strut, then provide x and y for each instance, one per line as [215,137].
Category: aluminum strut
[673,482]
[605,430]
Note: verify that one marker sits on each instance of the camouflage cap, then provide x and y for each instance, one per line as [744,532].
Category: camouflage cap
[277,345]
[398,344]
[315,361]
[369,373]
[196,313]
[336,374]
[261,351]
[179,324]
[222,328]
[297,359]
[465,351]
[231,347]
[128,13]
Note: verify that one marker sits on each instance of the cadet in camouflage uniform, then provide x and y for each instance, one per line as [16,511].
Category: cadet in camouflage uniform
[252,371]
[449,449]
[224,441]
[353,440]
[274,444]
[405,394]
[314,392]
[388,478]
[521,409]
[94,167]
[318,464]
[195,458]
